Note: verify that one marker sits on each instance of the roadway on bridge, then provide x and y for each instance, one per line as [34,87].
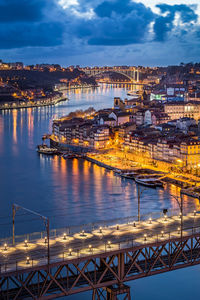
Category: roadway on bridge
[65,246]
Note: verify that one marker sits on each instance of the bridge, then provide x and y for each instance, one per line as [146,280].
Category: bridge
[100,257]
[132,73]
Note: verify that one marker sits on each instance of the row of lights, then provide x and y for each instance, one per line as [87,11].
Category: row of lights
[89,247]
[83,234]
[162,233]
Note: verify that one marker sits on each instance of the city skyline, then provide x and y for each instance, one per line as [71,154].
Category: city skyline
[100,32]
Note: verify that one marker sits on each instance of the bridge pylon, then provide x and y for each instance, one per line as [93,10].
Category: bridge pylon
[112,292]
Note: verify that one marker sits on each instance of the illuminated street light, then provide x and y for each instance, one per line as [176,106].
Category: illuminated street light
[100,229]
[195,213]
[28,260]
[162,233]
[150,221]
[90,248]
[70,252]
[145,237]
[26,243]
[64,236]
[109,244]
[5,247]
[179,230]
[83,233]
[165,218]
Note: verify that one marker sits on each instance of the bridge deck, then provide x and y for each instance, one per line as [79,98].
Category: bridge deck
[76,245]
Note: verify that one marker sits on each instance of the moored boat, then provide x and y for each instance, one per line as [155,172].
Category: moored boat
[149,181]
[69,156]
[129,175]
[44,149]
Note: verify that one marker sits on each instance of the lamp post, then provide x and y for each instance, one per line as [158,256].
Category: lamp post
[180,164]
[15,208]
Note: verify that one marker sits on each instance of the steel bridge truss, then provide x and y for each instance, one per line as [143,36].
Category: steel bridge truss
[103,271]
[132,74]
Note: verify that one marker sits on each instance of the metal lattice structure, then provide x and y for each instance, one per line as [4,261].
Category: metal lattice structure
[131,73]
[101,271]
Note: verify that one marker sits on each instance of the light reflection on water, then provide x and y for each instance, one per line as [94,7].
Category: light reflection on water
[84,191]
[69,192]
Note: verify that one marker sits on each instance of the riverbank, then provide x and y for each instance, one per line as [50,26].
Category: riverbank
[41,103]
[188,184]
[77,87]
[31,104]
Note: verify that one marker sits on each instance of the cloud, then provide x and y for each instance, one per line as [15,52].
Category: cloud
[115,23]
[101,31]
[24,23]
[164,24]
[30,35]
[21,10]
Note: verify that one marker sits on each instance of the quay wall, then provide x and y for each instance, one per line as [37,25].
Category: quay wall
[35,104]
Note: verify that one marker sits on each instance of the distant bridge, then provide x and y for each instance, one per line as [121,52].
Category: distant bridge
[100,257]
[132,73]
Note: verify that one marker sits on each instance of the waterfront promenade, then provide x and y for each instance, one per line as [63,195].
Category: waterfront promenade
[29,104]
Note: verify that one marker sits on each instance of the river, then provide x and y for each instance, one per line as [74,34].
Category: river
[75,191]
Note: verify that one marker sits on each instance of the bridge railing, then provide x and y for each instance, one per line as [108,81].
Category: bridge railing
[89,227]
[101,246]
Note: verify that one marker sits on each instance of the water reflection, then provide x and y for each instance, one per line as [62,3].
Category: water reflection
[72,191]
[14,114]
[87,192]
[1,134]
[76,188]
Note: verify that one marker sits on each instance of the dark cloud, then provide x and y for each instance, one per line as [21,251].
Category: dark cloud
[164,24]
[44,23]
[24,23]
[30,35]
[116,23]
[21,10]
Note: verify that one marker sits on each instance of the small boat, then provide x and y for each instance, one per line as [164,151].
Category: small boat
[44,149]
[149,181]
[129,175]
[69,156]
[133,93]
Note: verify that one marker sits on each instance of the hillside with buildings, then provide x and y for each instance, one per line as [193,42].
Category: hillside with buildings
[19,84]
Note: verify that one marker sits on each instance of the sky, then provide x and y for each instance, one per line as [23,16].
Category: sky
[100,32]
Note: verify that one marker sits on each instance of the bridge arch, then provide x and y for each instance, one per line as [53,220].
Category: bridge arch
[132,78]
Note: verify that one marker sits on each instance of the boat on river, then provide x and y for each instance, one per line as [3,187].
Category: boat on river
[129,175]
[69,155]
[133,93]
[44,149]
[148,181]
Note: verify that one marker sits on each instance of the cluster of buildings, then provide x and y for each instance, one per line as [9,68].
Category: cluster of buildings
[174,147]
[11,66]
[11,96]
[169,133]
[79,132]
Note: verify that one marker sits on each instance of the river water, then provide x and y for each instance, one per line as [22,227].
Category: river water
[74,192]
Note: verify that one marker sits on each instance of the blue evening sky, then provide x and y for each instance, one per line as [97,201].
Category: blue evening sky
[100,32]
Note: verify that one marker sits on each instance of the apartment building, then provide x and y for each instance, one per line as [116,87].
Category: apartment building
[179,150]
[183,109]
